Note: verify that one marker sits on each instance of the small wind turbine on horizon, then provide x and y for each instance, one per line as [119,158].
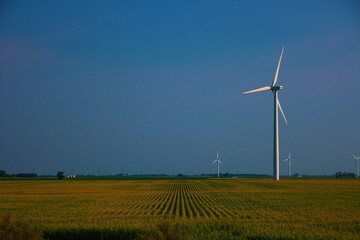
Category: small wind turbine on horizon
[357,165]
[277,106]
[289,164]
[217,160]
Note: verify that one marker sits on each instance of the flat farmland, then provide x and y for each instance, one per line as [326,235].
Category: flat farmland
[207,208]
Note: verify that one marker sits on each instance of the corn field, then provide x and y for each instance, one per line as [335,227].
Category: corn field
[208,208]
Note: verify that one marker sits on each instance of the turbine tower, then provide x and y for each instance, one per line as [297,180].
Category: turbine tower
[217,160]
[289,164]
[357,165]
[277,106]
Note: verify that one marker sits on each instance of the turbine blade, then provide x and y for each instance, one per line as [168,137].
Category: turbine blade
[278,68]
[220,162]
[258,90]
[282,112]
[214,161]
[286,160]
[289,155]
[290,164]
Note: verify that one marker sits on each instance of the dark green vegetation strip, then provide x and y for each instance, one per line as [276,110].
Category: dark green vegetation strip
[91,234]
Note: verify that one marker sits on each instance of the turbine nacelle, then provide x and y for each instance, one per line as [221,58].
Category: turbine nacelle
[276,88]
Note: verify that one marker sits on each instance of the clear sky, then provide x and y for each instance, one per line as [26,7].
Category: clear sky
[156,86]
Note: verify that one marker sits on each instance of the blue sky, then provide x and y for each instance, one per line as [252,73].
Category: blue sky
[156,86]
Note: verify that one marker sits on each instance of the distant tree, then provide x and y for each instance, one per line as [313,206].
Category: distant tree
[3,173]
[60,175]
[180,175]
[226,174]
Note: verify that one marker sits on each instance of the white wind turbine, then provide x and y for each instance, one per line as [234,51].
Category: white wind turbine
[357,165]
[217,160]
[277,106]
[289,164]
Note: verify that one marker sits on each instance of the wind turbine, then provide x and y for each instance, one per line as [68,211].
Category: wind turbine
[357,165]
[217,160]
[277,106]
[289,164]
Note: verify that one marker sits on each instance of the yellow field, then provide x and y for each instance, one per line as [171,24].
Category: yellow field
[256,207]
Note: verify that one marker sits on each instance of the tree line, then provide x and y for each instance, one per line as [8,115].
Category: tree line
[3,174]
[345,175]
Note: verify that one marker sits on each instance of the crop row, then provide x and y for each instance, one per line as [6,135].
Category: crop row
[176,200]
[322,207]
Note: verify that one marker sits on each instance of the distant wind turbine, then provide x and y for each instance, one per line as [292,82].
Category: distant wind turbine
[217,160]
[357,165]
[289,164]
[277,106]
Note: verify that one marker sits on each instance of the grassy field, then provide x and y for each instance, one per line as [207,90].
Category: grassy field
[195,209]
